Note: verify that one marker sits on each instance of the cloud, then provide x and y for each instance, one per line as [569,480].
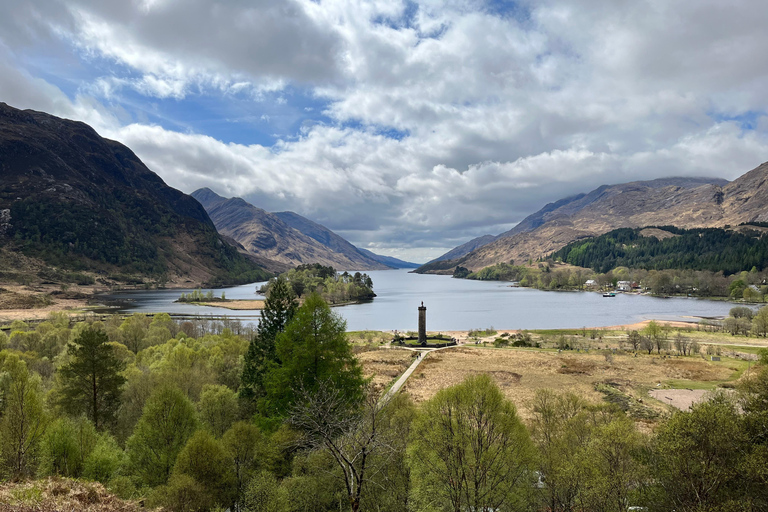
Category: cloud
[433,122]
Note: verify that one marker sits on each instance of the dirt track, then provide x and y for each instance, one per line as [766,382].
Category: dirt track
[683,399]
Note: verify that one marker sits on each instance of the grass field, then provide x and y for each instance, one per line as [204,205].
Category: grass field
[385,365]
[520,372]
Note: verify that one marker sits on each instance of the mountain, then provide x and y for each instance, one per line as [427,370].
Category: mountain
[569,206]
[466,248]
[336,243]
[267,235]
[682,202]
[74,200]
[388,260]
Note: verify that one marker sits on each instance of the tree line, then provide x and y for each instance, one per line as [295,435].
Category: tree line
[712,249]
[280,418]
[332,286]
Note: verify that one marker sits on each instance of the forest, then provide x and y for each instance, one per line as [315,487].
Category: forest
[712,249]
[211,415]
[332,286]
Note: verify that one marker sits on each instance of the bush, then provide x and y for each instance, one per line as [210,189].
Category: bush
[122,487]
[204,459]
[66,445]
[104,461]
[264,493]
[182,494]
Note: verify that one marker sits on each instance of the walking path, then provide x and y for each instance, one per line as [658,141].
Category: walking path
[423,353]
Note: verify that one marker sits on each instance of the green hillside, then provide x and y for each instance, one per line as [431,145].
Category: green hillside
[712,249]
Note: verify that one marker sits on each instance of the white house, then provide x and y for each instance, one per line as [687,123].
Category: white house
[624,286]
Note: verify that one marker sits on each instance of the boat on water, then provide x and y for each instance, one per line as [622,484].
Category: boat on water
[609,294]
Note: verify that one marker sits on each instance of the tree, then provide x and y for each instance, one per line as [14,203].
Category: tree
[470,451]
[657,334]
[105,459]
[634,339]
[753,400]
[166,424]
[264,493]
[243,442]
[133,330]
[218,408]
[279,308]
[204,459]
[696,457]
[646,343]
[588,454]
[313,349]
[91,381]
[66,445]
[355,435]
[611,465]
[760,322]
[24,421]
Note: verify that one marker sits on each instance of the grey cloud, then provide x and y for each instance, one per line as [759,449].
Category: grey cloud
[262,39]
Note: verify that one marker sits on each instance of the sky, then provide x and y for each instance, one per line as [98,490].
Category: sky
[408,127]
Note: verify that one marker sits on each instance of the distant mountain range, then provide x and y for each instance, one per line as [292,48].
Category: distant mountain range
[286,237]
[72,201]
[681,202]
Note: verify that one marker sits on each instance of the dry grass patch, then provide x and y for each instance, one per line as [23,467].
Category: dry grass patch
[520,373]
[60,494]
[385,365]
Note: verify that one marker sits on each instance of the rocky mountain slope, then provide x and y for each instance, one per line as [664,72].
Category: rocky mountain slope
[336,243]
[268,235]
[74,200]
[390,261]
[682,202]
[466,248]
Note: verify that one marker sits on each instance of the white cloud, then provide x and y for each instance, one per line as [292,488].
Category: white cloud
[497,114]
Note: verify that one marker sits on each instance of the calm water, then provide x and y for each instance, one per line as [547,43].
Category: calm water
[457,304]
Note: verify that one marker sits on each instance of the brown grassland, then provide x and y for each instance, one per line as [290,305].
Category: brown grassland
[520,372]
[385,365]
[59,495]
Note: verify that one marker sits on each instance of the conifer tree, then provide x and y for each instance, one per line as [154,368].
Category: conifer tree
[92,380]
[279,308]
[312,350]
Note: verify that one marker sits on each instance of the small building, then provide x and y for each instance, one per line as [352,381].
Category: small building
[624,286]
[591,283]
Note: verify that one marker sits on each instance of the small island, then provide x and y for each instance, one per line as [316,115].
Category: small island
[338,289]
[335,288]
[199,298]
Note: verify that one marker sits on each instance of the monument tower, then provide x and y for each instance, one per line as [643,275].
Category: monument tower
[422,324]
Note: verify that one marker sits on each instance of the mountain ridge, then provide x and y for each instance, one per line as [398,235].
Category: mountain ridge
[682,202]
[285,237]
[73,199]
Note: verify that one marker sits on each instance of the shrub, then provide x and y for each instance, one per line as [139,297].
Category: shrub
[104,460]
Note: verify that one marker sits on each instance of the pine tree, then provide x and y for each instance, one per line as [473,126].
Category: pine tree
[279,308]
[92,380]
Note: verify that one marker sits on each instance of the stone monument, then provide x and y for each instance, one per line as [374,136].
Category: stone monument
[422,324]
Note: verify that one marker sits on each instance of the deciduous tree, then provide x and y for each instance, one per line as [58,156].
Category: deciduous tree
[470,451]
[168,421]
[24,420]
